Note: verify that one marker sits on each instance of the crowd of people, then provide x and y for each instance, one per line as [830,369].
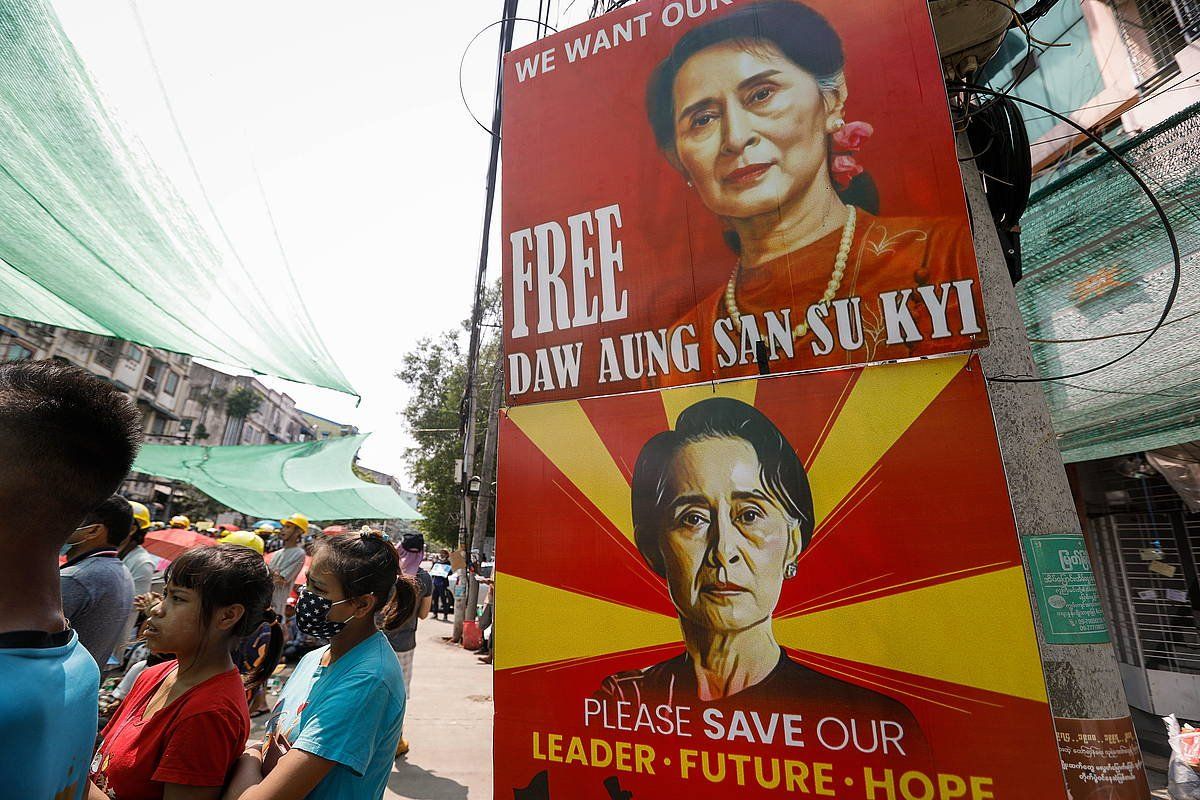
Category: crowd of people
[187,647]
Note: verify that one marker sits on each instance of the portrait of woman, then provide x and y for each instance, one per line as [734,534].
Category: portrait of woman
[721,511]
[752,109]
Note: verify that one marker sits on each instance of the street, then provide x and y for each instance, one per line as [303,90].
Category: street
[448,723]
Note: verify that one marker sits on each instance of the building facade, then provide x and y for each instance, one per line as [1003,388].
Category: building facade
[326,428]
[182,401]
[1113,66]
[1097,271]
[154,379]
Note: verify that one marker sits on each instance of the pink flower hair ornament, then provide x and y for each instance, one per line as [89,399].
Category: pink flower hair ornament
[848,140]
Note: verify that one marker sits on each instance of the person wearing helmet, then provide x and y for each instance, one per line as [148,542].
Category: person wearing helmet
[140,562]
[287,563]
[245,539]
[141,565]
[180,521]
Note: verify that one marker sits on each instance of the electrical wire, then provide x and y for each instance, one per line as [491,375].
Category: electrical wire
[462,92]
[1151,393]
[1117,335]
[1162,214]
[1018,21]
[1145,99]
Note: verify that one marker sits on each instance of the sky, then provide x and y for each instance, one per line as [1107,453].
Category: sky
[372,168]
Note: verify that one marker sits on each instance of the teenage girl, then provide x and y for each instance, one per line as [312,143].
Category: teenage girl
[334,731]
[185,721]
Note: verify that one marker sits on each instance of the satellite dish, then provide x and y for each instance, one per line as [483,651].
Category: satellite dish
[969,32]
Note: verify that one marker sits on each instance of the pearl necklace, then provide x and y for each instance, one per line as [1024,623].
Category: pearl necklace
[835,279]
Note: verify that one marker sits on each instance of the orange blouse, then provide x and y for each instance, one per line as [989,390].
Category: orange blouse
[886,254]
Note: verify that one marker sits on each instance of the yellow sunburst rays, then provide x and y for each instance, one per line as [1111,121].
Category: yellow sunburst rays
[976,631]
[883,404]
[889,398]
[549,624]
[566,436]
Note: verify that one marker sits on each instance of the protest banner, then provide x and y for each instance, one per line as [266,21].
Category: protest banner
[805,586]
[715,189]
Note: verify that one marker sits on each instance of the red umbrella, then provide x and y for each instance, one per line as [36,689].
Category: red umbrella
[170,542]
[228,527]
[336,530]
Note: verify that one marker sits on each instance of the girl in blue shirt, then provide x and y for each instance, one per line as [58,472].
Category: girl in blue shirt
[333,733]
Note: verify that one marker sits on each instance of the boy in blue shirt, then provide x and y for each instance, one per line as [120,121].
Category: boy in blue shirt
[67,440]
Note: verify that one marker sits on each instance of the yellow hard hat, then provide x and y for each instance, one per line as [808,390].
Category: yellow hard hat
[299,520]
[245,539]
[141,515]
[180,522]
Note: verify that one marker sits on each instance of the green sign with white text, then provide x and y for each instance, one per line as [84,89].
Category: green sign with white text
[1067,598]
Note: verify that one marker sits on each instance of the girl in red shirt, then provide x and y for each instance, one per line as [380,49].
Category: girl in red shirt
[185,721]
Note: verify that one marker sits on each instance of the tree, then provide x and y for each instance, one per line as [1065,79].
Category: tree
[194,504]
[436,372]
[213,394]
[241,403]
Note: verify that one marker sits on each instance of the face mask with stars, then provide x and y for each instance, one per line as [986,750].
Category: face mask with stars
[312,615]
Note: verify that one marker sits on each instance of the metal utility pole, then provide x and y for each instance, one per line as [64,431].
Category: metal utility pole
[1082,680]
[469,406]
[487,492]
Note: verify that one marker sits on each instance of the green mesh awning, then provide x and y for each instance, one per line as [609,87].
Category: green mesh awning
[1098,268]
[275,480]
[94,238]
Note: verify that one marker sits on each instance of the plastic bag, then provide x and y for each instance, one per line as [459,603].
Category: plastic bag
[1185,741]
[1183,782]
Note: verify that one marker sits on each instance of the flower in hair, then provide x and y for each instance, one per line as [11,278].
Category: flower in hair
[848,140]
[851,136]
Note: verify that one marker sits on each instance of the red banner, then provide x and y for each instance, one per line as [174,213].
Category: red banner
[802,586]
[712,189]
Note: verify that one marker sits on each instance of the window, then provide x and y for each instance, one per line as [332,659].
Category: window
[106,353]
[172,383]
[196,394]
[154,374]
[1153,34]
[158,426]
[14,352]
[133,352]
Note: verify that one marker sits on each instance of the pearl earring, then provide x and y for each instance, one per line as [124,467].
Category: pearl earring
[839,123]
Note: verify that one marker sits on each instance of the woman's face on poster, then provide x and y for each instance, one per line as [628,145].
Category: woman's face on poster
[750,128]
[726,539]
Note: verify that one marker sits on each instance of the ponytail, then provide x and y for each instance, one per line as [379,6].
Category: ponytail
[403,604]
[369,564]
[265,666]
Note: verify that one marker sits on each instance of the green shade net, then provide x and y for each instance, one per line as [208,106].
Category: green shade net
[1098,268]
[94,238]
[276,480]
